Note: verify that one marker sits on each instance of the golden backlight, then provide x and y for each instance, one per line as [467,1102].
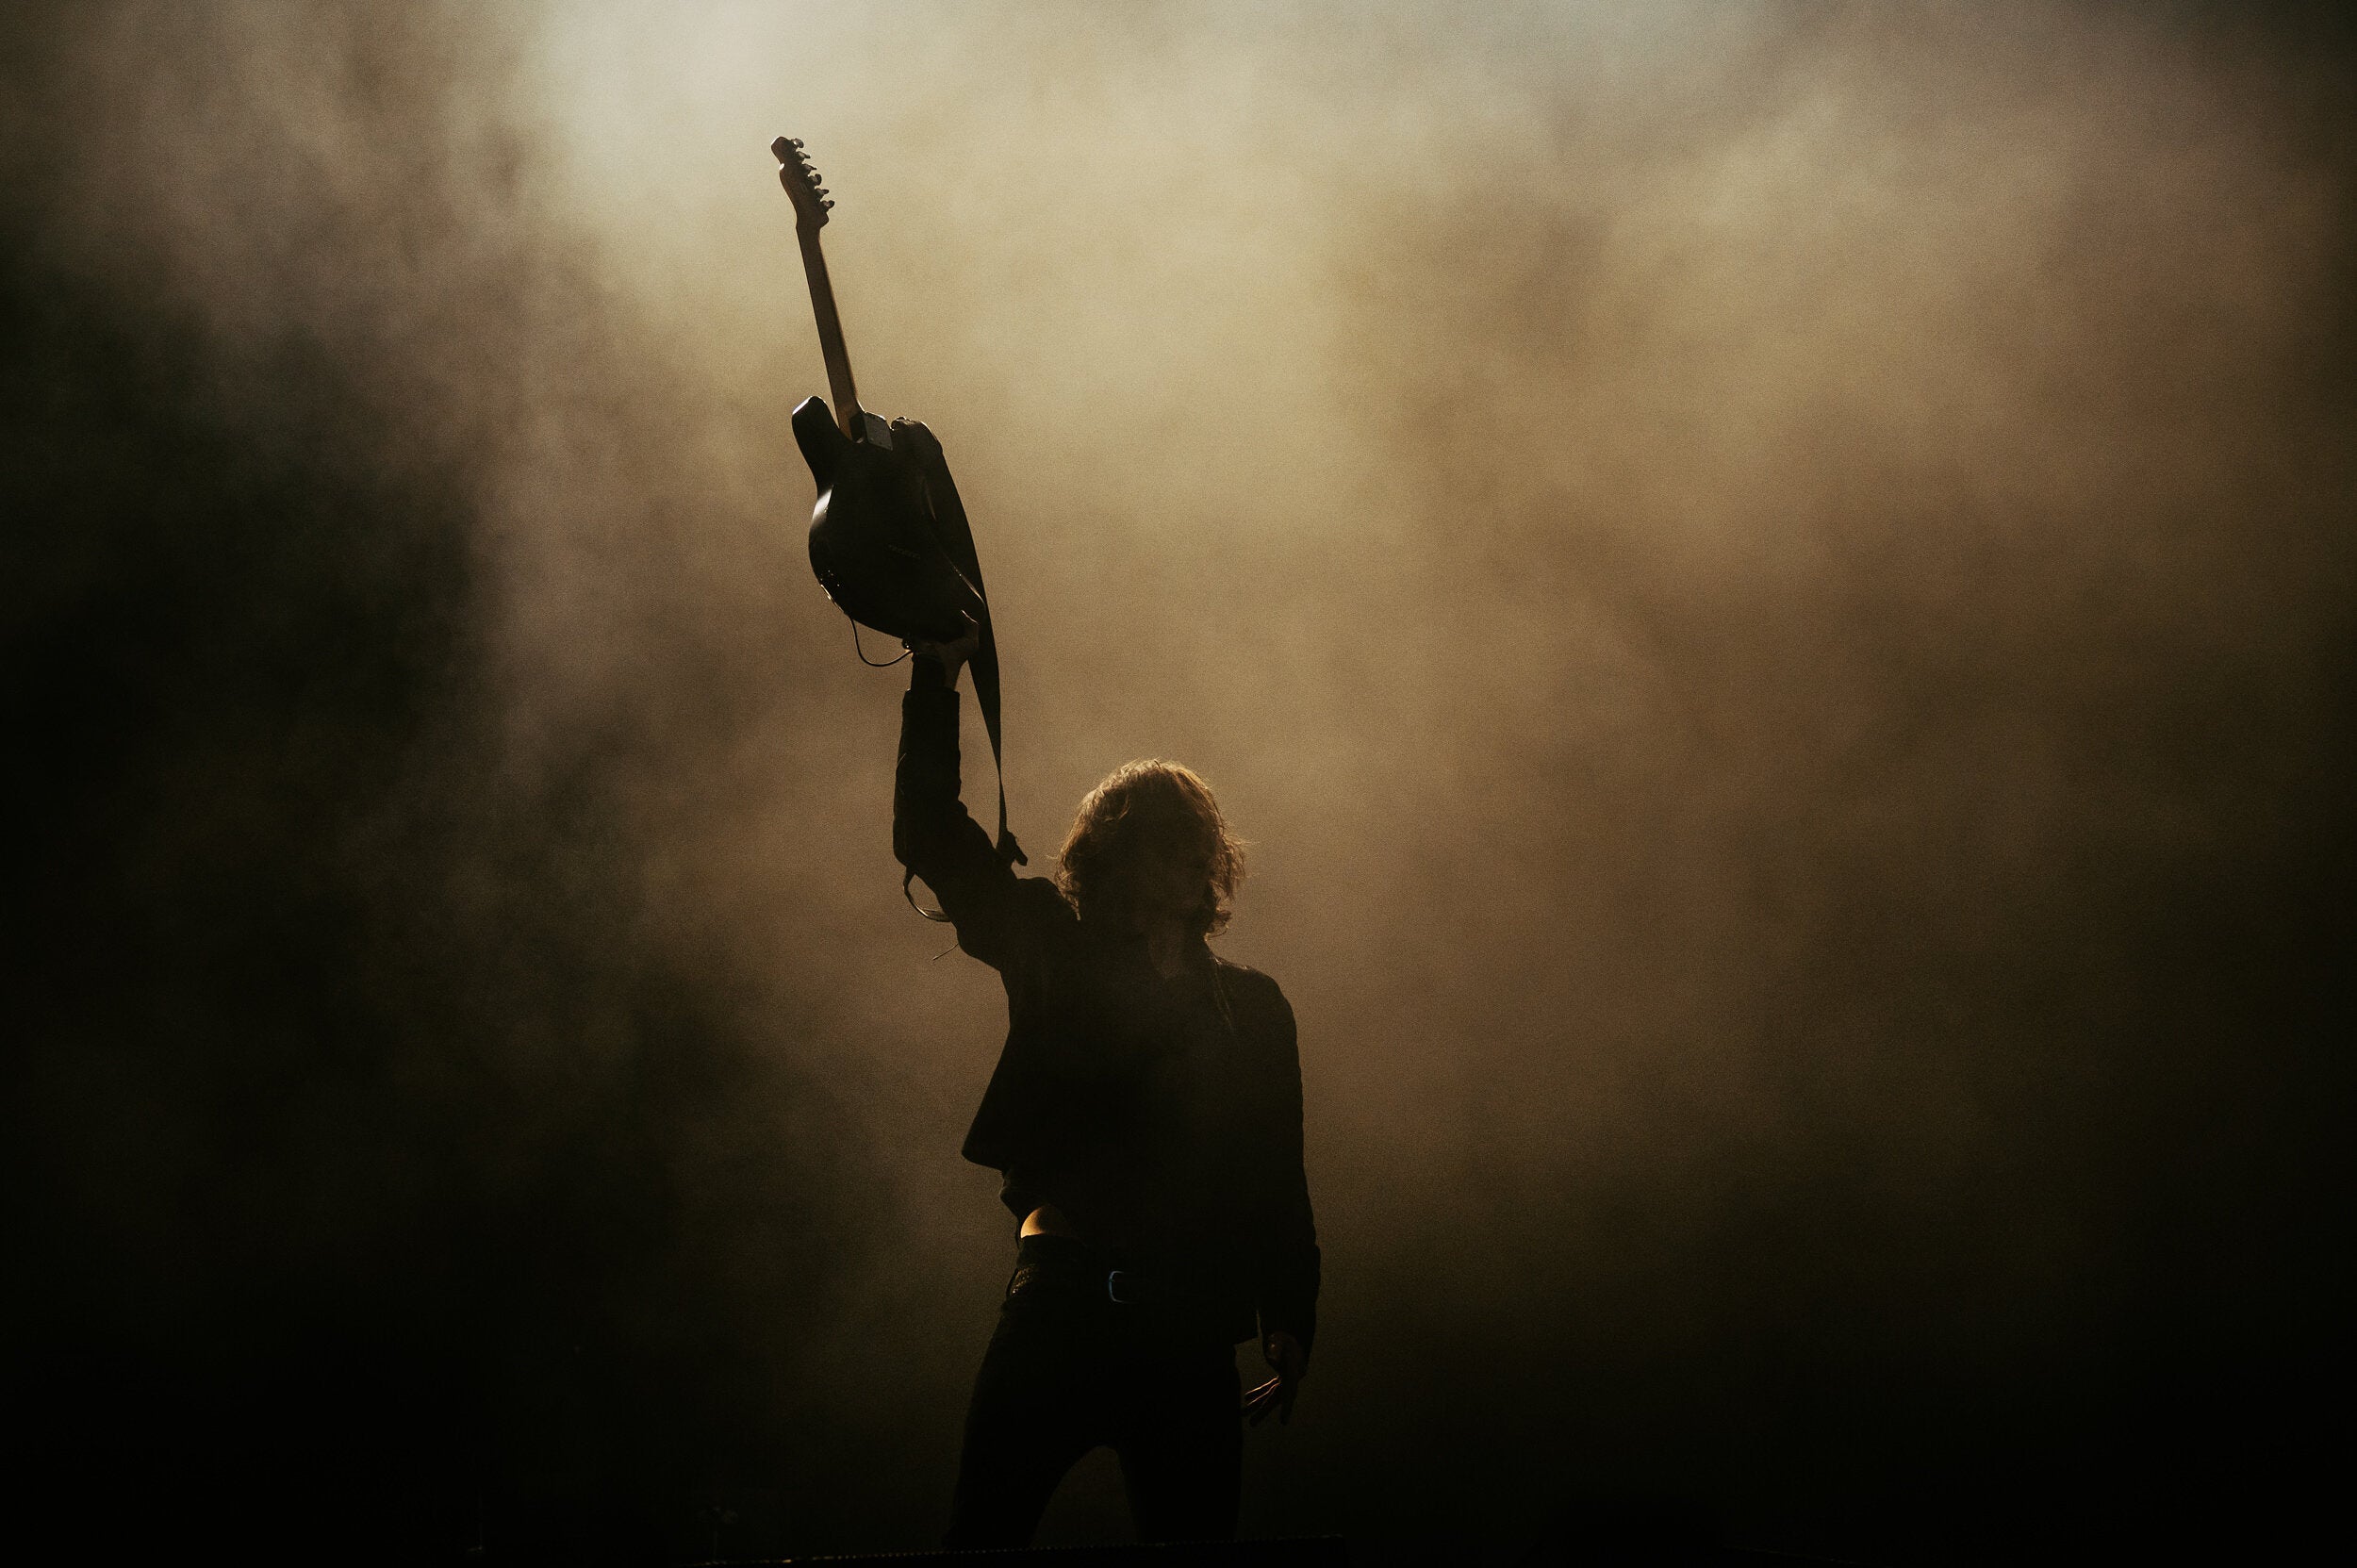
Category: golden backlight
[1723,557]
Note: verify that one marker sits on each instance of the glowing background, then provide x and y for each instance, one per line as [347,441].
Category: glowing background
[1771,586]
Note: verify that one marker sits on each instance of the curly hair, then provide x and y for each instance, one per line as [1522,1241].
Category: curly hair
[1141,807]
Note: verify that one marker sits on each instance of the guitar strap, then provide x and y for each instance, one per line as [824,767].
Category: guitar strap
[955,535]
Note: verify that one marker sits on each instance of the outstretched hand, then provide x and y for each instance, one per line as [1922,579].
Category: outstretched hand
[1291,1364]
[951,654]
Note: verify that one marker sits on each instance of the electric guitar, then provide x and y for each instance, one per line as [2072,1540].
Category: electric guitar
[883,540]
[889,538]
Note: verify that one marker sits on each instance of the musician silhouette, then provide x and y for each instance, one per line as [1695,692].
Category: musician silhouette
[1146,1117]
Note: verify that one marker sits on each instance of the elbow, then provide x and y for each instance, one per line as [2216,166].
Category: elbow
[908,849]
[918,849]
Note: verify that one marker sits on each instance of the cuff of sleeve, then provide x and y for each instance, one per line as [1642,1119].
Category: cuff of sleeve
[1290,1302]
[1303,1326]
[935,707]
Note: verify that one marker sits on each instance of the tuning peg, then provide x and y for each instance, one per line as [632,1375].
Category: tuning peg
[795,143]
[829,206]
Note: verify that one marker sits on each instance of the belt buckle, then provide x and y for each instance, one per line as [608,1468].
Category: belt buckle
[1116,1282]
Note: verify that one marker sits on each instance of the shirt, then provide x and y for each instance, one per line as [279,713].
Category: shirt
[1162,1115]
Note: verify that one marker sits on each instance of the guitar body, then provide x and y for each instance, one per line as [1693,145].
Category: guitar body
[876,539]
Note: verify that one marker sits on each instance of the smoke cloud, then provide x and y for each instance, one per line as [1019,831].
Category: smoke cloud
[1771,586]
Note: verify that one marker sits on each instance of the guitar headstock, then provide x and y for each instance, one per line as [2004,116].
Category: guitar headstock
[802,184]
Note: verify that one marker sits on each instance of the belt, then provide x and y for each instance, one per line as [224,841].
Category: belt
[1077,1262]
[1157,1302]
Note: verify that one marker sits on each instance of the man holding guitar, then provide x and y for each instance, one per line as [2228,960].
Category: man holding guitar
[1146,1115]
[1145,1112]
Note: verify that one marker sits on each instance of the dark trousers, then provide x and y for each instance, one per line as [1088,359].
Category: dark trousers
[1069,1370]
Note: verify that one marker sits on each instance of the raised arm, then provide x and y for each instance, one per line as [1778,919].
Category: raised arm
[997,913]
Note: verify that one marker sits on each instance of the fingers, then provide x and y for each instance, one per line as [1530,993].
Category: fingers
[963,646]
[921,437]
[1276,1395]
[1272,1395]
[1284,1353]
[918,441]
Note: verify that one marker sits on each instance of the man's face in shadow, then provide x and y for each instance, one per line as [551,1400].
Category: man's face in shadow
[1168,876]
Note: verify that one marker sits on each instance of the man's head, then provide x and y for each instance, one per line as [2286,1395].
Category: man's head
[1149,842]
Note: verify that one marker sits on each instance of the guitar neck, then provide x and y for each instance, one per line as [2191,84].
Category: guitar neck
[847,409]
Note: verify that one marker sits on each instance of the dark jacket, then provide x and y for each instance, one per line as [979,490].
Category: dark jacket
[1161,1116]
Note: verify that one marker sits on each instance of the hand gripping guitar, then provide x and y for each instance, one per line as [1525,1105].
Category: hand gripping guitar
[889,539]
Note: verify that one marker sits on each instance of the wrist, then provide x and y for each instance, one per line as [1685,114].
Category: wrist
[928,671]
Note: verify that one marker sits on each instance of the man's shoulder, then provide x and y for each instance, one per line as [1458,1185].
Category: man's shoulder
[1042,892]
[1040,905]
[1247,986]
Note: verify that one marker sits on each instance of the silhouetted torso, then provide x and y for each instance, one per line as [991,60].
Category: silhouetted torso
[1161,1115]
